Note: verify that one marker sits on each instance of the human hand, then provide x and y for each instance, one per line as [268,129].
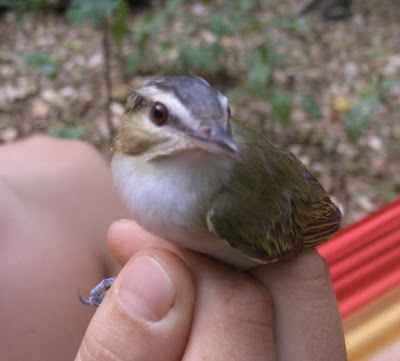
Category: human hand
[173,304]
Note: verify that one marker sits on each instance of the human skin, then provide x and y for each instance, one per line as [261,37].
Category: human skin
[281,311]
[57,201]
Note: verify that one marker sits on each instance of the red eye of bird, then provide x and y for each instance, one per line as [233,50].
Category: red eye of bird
[159,113]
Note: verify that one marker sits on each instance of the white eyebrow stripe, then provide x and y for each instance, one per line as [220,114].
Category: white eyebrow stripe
[174,105]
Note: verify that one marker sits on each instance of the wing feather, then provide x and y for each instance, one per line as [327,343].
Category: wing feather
[272,207]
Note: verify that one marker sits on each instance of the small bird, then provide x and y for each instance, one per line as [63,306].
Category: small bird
[190,173]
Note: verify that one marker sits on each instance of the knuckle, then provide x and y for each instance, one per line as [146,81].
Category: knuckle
[312,267]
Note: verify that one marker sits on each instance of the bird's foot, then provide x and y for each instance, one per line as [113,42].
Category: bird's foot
[98,293]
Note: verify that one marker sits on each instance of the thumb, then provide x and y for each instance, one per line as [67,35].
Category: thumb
[151,301]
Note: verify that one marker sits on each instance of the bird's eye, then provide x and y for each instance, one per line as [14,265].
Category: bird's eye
[229,112]
[159,113]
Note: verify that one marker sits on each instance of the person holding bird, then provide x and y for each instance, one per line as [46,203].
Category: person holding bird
[200,276]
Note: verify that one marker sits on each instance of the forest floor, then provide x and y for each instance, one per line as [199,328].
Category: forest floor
[337,64]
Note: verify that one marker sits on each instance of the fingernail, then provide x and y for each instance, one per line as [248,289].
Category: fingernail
[146,291]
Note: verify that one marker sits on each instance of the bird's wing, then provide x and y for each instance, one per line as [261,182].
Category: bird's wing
[325,217]
[274,207]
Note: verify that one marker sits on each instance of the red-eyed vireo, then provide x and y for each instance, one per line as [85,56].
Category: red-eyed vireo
[193,175]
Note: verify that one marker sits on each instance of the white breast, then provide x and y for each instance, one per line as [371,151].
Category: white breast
[166,195]
[170,198]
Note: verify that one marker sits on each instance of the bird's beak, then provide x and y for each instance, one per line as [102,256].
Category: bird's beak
[216,140]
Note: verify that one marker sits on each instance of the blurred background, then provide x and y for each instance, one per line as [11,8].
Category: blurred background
[321,78]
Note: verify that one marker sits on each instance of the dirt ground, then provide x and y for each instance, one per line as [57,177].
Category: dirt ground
[334,63]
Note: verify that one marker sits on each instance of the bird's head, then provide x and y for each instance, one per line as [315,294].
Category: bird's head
[174,114]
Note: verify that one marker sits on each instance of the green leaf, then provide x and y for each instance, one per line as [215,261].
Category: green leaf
[38,58]
[92,10]
[220,24]
[387,84]
[254,25]
[22,5]
[132,61]
[45,63]
[149,28]
[49,70]
[261,68]
[359,117]
[281,107]
[75,132]
[118,31]
[311,107]
[238,6]
[172,6]
[123,8]
[299,25]
[258,78]
[244,4]
[197,58]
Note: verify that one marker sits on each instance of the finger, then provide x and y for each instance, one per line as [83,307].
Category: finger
[126,237]
[150,302]
[307,319]
[233,317]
